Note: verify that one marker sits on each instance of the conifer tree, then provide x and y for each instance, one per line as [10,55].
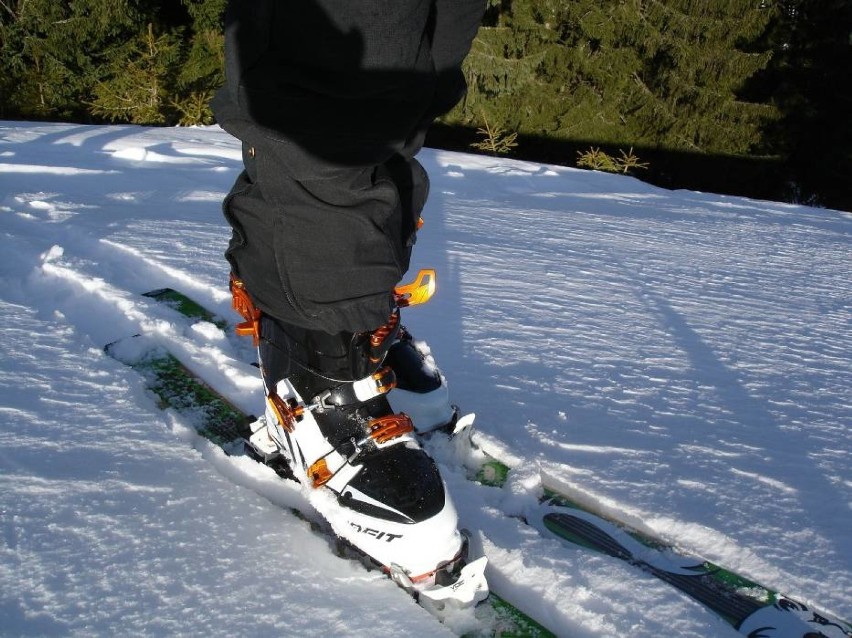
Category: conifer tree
[202,66]
[138,79]
[514,72]
[810,81]
[697,56]
[144,61]
[662,73]
[46,51]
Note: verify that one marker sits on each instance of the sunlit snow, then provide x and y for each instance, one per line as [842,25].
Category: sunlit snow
[680,359]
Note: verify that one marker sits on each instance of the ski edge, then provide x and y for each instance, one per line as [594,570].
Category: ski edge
[738,600]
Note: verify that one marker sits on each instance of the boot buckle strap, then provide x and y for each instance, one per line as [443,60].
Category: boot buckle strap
[380,430]
[243,304]
[382,335]
[387,428]
[377,384]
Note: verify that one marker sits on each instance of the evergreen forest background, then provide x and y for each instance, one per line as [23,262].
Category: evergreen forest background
[750,97]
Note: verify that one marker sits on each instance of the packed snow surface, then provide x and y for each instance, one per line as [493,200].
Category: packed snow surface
[679,359]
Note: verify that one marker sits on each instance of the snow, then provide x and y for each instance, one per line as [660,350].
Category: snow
[679,359]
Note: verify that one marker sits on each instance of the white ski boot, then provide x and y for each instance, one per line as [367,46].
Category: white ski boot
[359,461]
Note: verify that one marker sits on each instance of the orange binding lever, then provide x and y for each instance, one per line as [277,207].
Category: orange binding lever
[243,304]
[418,291]
[287,412]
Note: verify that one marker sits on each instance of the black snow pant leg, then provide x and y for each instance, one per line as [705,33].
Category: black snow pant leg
[324,250]
[329,359]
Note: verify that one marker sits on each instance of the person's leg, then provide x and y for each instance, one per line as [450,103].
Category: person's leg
[318,261]
[324,252]
[332,101]
[327,391]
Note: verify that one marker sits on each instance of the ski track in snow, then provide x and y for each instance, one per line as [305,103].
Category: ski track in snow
[682,359]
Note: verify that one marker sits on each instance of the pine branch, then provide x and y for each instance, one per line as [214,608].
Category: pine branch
[5,6]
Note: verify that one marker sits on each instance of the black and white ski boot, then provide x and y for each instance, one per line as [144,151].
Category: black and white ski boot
[328,415]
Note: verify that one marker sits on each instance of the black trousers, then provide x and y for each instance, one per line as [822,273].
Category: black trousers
[331,99]
[324,253]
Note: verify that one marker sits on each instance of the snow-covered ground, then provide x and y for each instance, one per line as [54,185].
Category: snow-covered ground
[683,359]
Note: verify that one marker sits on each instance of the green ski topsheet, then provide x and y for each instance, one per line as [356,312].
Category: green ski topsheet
[219,421]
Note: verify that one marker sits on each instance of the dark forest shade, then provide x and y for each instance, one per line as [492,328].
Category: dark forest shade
[729,78]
